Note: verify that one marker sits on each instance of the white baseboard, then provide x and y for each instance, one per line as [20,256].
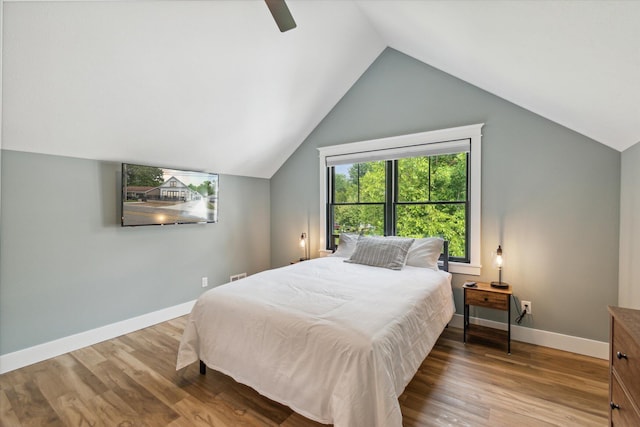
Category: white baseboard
[40,352]
[578,345]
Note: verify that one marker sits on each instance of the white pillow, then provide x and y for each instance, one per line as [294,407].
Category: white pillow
[425,252]
[346,245]
[377,251]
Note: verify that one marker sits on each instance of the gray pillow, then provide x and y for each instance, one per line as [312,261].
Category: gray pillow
[387,252]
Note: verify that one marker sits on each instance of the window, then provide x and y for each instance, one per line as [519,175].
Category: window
[427,196]
[417,185]
[358,198]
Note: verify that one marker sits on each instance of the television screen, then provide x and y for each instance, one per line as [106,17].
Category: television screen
[158,196]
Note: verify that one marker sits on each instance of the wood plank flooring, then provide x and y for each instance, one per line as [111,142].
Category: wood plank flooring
[131,381]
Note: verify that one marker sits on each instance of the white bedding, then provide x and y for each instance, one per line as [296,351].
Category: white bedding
[336,342]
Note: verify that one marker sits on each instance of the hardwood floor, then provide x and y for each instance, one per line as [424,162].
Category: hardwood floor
[131,381]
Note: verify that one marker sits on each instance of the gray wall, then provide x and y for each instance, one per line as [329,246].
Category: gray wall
[67,266]
[629,286]
[550,196]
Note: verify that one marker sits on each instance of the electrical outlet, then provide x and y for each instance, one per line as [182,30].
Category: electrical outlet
[205,282]
[527,305]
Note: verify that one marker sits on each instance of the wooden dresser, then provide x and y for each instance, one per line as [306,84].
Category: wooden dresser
[624,366]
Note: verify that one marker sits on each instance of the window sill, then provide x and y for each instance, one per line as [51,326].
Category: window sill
[464,268]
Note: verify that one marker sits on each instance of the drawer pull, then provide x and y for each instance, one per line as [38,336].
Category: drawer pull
[486,299]
[614,406]
[621,355]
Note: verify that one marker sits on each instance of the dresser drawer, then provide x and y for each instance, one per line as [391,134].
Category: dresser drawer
[624,414]
[625,360]
[486,299]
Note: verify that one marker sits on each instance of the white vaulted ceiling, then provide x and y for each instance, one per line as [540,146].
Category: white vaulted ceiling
[214,85]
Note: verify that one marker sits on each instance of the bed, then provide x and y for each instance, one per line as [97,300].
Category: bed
[335,341]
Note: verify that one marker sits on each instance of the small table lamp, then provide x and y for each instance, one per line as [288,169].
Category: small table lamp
[498,262]
[303,245]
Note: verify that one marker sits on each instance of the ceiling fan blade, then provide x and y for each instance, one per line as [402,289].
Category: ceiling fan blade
[281,14]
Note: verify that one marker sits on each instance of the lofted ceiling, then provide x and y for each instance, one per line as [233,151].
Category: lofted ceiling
[214,85]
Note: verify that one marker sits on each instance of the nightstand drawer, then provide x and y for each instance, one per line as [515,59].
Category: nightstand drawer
[487,299]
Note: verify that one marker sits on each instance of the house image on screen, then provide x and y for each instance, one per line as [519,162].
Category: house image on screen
[172,190]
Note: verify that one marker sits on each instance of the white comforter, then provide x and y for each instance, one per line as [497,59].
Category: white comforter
[336,342]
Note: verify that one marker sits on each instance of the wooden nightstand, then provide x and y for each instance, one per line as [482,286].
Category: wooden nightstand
[484,295]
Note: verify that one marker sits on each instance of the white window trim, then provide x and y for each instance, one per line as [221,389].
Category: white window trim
[472,132]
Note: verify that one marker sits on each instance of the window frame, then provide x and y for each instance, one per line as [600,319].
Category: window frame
[409,142]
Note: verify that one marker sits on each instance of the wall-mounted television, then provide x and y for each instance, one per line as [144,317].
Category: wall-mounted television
[158,196]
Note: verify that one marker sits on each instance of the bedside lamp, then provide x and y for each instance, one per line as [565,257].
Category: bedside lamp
[498,261]
[303,245]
